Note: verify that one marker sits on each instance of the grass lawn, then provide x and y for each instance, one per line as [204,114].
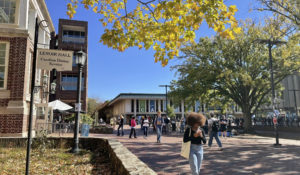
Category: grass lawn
[51,161]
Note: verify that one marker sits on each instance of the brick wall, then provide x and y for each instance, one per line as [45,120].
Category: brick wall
[13,123]
[16,66]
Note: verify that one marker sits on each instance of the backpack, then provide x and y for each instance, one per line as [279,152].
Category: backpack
[215,126]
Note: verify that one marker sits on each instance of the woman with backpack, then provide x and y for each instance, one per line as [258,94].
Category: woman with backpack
[195,134]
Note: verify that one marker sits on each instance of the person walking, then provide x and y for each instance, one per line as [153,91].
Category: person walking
[229,128]
[142,123]
[121,125]
[132,125]
[196,135]
[182,124]
[146,126]
[213,125]
[158,125]
[223,124]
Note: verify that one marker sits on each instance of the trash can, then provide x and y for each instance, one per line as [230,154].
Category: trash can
[85,129]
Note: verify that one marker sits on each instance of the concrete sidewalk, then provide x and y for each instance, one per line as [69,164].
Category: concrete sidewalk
[245,154]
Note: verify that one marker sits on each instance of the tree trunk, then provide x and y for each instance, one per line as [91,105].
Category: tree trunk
[247,120]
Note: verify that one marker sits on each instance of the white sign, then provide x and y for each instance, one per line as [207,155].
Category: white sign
[61,60]
[77,107]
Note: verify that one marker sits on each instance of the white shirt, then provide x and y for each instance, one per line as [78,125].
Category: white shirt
[146,123]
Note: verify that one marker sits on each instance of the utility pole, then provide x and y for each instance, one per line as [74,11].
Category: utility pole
[270,44]
[166,86]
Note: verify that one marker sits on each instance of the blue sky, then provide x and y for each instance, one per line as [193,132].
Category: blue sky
[112,72]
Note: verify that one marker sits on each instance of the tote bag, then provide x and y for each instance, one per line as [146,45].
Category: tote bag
[185,148]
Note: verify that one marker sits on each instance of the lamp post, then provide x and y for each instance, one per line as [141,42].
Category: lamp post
[80,61]
[29,139]
[166,86]
[270,45]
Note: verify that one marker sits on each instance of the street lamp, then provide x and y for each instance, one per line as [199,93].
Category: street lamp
[53,87]
[80,61]
[166,86]
[270,45]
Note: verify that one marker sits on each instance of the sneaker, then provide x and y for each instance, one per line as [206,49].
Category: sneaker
[221,149]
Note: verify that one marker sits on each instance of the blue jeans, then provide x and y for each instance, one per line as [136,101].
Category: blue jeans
[158,132]
[196,157]
[214,135]
[145,130]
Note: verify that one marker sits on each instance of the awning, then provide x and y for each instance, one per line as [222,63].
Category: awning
[59,105]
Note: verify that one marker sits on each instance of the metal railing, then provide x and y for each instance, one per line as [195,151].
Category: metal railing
[56,129]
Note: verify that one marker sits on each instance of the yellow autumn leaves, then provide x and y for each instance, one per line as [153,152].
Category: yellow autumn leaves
[163,25]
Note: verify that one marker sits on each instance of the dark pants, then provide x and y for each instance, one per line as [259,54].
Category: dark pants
[132,131]
[120,126]
[145,130]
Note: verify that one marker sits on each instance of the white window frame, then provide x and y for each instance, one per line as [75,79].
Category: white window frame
[6,64]
[17,17]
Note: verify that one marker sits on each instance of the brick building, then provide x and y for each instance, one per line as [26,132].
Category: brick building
[17,25]
[72,35]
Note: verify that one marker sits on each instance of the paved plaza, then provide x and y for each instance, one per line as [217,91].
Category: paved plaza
[244,154]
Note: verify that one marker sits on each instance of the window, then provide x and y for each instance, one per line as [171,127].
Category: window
[41,113]
[73,36]
[8,11]
[137,105]
[142,105]
[132,105]
[3,64]
[147,106]
[69,83]
[152,106]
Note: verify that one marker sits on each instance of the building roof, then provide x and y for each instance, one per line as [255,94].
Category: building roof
[137,96]
[47,16]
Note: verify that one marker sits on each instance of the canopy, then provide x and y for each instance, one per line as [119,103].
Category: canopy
[59,105]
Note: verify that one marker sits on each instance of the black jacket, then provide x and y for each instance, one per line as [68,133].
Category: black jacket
[194,140]
[121,122]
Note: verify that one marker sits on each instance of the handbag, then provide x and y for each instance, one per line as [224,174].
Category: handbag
[186,147]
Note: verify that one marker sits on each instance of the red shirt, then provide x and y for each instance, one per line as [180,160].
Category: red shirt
[133,123]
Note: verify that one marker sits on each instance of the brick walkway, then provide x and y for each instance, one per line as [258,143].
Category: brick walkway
[245,154]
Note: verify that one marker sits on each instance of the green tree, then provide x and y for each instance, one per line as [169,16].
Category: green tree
[164,25]
[236,70]
[93,104]
[285,9]
[171,112]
